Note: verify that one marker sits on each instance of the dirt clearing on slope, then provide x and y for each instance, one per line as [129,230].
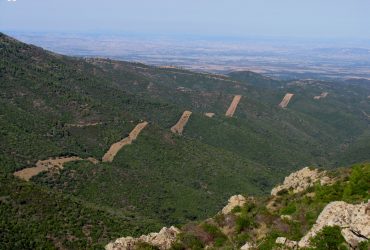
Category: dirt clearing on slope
[210,115]
[179,126]
[45,165]
[82,125]
[284,103]
[323,95]
[234,104]
[116,147]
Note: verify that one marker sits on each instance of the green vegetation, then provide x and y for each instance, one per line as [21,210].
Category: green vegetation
[32,217]
[259,225]
[194,182]
[163,179]
[329,238]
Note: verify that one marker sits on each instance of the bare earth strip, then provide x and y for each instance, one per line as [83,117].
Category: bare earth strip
[366,114]
[210,115]
[234,104]
[284,103]
[323,95]
[116,147]
[179,126]
[82,125]
[44,165]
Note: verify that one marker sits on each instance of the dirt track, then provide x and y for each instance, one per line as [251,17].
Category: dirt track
[179,126]
[116,147]
[323,95]
[284,103]
[44,165]
[234,104]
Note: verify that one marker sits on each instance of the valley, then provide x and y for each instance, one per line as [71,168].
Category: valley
[56,111]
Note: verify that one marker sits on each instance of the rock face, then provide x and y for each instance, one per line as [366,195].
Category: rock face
[234,201]
[247,246]
[301,180]
[163,240]
[288,243]
[354,220]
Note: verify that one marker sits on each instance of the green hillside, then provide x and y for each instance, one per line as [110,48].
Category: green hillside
[52,105]
[261,220]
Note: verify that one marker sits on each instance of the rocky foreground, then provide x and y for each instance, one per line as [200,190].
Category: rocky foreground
[245,217]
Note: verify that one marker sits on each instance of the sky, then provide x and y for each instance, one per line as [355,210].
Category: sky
[349,19]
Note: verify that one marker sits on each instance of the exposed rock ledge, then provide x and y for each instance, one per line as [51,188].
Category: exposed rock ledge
[301,180]
[354,220]
[163,240]
[234,201]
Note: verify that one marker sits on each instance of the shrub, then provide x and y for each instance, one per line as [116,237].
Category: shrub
[241,239]
[358,185]
[364,245]
[215,232]
[145,246]
[236,209]
[329,238]
[190,241]
[290,209]
[243,222]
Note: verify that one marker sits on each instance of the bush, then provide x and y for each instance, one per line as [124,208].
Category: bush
[236,209]
[243,222]
[190,242]
[290,209]
[145,246]
[218,237]
[358,185]
[329,238]
[364,245]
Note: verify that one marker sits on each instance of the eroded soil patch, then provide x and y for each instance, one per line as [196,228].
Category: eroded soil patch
[322,95]
[178,128]
[45,165]
[234,104]
[116,147]
[284,103]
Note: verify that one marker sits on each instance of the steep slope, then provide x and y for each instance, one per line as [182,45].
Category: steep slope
[33,217]
[322,131]
[53,106]
[56,106]
[312,209]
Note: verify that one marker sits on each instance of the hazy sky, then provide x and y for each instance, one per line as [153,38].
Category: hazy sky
[298,18]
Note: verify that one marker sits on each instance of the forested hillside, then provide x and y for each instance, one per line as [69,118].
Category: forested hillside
[55,106]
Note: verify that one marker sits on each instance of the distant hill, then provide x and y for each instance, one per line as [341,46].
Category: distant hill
[52,106]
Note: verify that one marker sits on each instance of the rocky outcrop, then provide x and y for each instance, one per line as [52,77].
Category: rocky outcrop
[234,201]
[247,246]
[301,180]
[163,240]
[354,220]
[290,244]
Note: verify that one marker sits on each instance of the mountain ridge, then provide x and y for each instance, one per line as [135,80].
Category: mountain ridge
[181,178]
